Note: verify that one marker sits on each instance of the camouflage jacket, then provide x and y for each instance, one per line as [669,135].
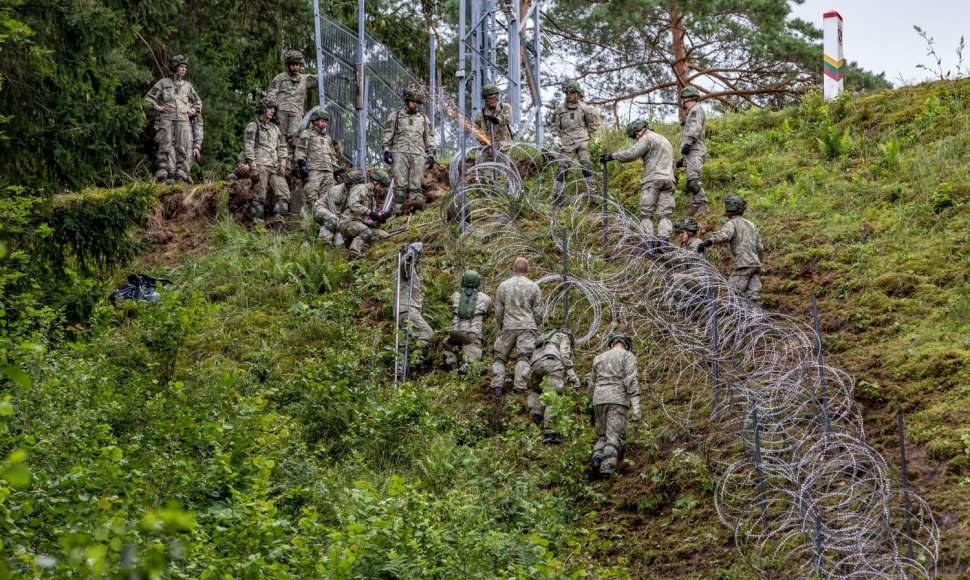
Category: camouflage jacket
[693,245]
[483,306]
[406,286]
[503,131]
[559,347]
[694,130]
[519,304]
[614,378]
[179,94]
[360,202]
[574,124]
[408,133]
[657,155]
[198,132]
[745,242]
[290,91]
[316,148]
[264,147]
[334,200]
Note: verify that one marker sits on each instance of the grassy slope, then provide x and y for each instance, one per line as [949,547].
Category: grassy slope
[258,396]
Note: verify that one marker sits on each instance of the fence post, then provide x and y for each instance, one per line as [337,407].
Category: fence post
[606,184]
[758,472]
[821,369]
[904,476]
[565,278]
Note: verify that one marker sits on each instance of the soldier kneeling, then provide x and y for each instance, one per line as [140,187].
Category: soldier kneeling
[469,306]
[551,359]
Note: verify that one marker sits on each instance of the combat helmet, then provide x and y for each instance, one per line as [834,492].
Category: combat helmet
[735,205]
[686,225]
[353,177]
[411,94]
[293,57]
[318,114]
[635,127]
[620,337]
[380,176]
[489,90]
[690,93]
[178,59]
[573,87]
[471,279]
[269,101]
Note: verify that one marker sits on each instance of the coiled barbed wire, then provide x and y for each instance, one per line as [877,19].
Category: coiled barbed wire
[796,482]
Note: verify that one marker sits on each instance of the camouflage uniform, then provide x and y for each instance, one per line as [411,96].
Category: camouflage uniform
[290,92]
[265,152]
[552,360]
[747,249]
[408,136]
[354,222]
[519,311]
[327,210]
[198,132]
[502,131]
[410,304]
[173,132]
[615,389]
[467,332]
[657,185]
[693,140]
[315,148]
[574,124]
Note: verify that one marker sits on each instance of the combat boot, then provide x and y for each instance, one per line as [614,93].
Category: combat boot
[552,438]
[594,466]
[257,212]
[537,418]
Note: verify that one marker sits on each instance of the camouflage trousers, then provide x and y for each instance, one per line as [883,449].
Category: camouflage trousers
[552,369]
[408,173]
[470,344]
[289,124]
[610,421]
[361,235]
[414,323]
[174,141]
[523,341]
[657,199]
[317,185]
[693,164]
[327,220]
[267,178]
[579,153]
[747,281]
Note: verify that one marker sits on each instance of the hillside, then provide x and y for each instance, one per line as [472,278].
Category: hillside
[247,426]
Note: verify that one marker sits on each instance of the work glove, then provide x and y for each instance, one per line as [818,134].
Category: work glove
[378,216]
[303,171]
[635,407]
[573,378]
[338,175]
[430,161]
[684,149]
[680,163]
[606,157]
[492,120]
[367,222]
[706,244]
[388,158]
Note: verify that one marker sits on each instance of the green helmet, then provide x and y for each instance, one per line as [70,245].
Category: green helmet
[686,225]
[635,127]
[690,93]
[411,94]
[573,87]
[178,59]
[620,337]
[293,57]
[353,177]
[265,103]
[380,176]
[471,279]
[489,90]
[319,114]
[735,205]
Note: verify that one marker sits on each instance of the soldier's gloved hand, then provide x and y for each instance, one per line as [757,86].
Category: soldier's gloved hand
[338,175]
[685,149]
[680,163]
[573,378]
[430,161]
[303,171]
[706,244]
[382,217]
[388,158]
[606,158]
[491,119]
[367,222]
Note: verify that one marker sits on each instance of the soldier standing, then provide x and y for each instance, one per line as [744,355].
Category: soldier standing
[469,308]
[264,153]
[551,360]
[316,159]
[410,301]
[657,185]
[409,148]
[694,151]
[359,222]
[331,205]
[615,391]
[519,311]
[290,88]
[494,120]
[174,102]
[745,245]
[573,125]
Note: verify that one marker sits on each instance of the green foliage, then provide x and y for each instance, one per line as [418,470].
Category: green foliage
[834,143]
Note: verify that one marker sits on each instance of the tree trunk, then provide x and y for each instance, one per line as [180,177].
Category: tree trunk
[679,51]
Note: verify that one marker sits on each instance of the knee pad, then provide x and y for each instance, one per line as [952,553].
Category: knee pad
[365,235]
[400,194]
[694,186]
[257,210]
[282,206]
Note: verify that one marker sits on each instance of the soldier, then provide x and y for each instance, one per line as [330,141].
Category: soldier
[519,311]
[359,222]
[264,153]
[469,308]
[687,284]
[573,125]
[290,90]
[686,231]
[329,207]
[657,185]
[694,151]
[551,360]
[174,102]
[615,391]
[409,148]
[410,300]
[745,245]
[498,117]
[316,159]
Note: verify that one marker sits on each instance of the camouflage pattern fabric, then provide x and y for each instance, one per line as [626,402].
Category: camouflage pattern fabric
[501,131]
[747,249]
[410,305]
[552,360]
[360,202]
[315,147]
[657,184]
[610,422]
[173,133]
[693,136]
[519,304]
[522,340]
[410,138]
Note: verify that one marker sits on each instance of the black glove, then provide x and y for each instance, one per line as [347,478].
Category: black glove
[706,244]
[430,162]
[374,216]
[303,171]
[369,223]
[685,149]
[388,158]
[382,217]
[680,162]
[338,175]
[606,157]
[492,120]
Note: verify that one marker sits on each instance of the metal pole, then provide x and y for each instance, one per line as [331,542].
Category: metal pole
[492,38]
[362,123]
[515,64]
[715,368]
[441,126]
[460,73]
[565,278]
[818,542]
[397,320]
[904,476]
[821,370]
[757,469]
[317,35]
[432,92]
[476,34]
[407,330]
[536,49]
[359,101]
[606,219]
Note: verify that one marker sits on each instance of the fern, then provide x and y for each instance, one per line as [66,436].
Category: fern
[832,143]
